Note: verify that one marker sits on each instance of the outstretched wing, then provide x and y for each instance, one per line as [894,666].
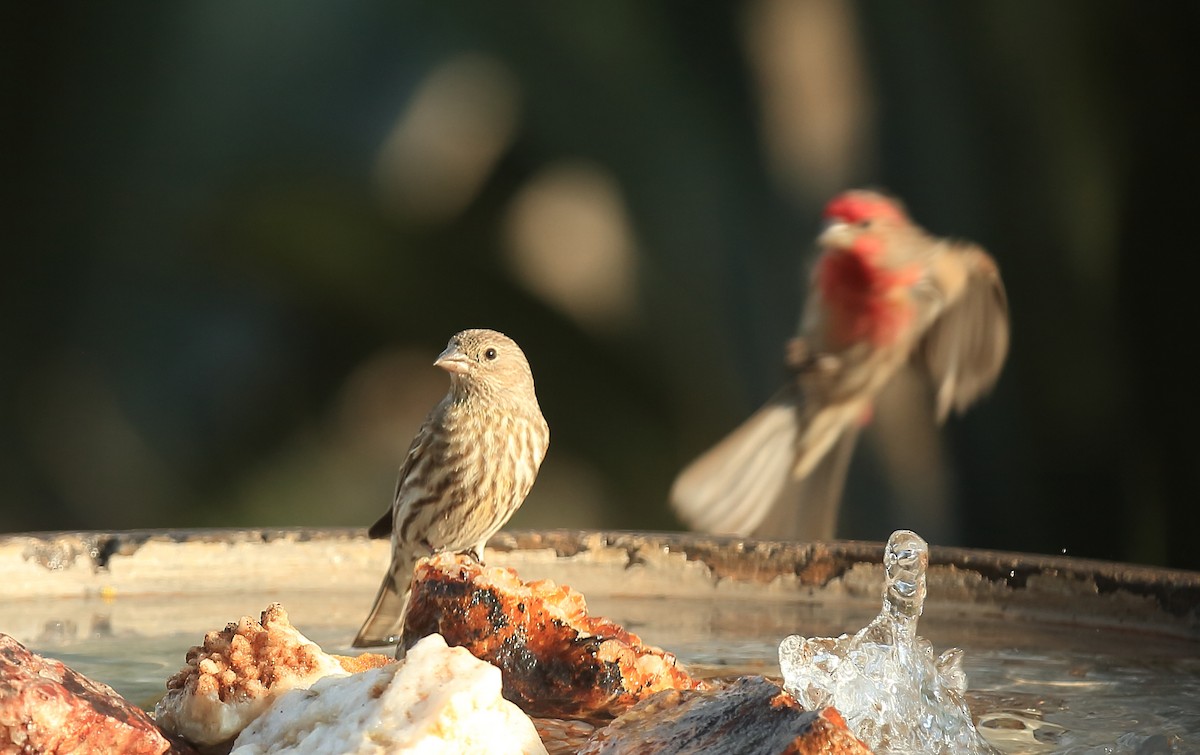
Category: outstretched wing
[965,346]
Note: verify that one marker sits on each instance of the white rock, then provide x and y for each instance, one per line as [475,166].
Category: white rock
[438,700]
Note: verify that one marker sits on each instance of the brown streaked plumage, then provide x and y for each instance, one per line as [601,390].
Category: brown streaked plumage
[884,293]
[467,471]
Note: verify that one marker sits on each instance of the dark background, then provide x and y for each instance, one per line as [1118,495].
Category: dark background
[237,234]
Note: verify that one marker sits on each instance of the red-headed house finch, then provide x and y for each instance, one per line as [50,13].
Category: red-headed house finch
[883,291]
[467,471]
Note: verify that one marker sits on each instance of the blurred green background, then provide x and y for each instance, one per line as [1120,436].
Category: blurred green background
[237,234]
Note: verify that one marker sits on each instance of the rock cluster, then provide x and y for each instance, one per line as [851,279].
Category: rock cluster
[495,652]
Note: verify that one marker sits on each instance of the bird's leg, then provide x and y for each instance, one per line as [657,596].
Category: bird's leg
[476,553]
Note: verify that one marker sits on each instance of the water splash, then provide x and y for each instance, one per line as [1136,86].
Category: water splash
[894,693]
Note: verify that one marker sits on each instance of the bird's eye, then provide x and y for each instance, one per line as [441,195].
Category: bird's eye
[490,354]
[864,223]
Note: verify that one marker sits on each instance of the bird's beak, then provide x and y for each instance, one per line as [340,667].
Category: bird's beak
[453,361]
[836,235]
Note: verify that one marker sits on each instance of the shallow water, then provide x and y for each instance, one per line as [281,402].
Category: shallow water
[1033,687]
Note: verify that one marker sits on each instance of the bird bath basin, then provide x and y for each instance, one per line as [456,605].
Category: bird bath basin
[1062,655]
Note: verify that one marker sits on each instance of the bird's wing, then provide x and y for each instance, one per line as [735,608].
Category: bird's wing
[382,528]
[731,487]
[965,345]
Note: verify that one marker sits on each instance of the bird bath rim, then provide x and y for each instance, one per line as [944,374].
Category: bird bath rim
[1055,589]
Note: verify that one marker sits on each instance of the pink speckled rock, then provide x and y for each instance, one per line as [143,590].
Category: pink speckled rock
[48,709]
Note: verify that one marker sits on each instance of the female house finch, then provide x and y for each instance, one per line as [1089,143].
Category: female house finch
[467,471]
[883,291]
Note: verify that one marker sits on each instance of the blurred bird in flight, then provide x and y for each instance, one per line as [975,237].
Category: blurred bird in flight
[467,471]
[883,294]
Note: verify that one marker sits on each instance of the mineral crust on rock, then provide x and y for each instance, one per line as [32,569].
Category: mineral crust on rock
[557,660]
[437,700]
[237,673]
[48,708]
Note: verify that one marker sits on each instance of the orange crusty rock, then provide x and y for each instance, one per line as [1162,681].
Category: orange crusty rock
[557,660]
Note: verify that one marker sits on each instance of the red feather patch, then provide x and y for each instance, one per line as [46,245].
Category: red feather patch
[864,302]
[854,207]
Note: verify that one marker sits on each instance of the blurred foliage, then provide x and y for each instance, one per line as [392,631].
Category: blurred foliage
[223,289]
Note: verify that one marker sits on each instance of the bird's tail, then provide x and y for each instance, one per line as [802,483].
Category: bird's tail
[385,623]
[757,481]
[808,507]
